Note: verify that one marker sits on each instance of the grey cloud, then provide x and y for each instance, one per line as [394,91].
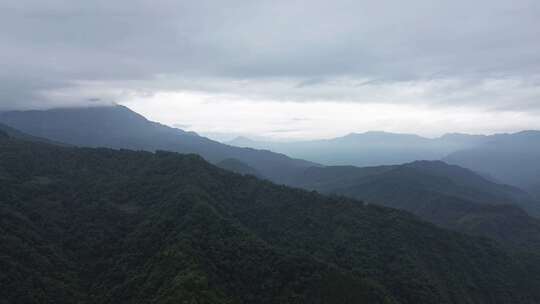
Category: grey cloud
[296,119]
[285,50]
[310,82]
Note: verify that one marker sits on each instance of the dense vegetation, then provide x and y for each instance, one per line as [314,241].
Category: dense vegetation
[120,128]
[446,195]
[239,167]
[104,226]
[14,133]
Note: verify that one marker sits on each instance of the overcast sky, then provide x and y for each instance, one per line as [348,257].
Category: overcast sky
[281,69]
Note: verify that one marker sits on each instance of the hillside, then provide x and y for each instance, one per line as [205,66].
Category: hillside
[446,195]
[435,176]
[11,132]
[510,158]
[84,225]
[237,166]
[119,127]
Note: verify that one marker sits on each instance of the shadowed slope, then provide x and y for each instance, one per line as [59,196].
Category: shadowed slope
[119,127]
[97,225]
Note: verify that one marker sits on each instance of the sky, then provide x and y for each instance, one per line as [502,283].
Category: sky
[281,69]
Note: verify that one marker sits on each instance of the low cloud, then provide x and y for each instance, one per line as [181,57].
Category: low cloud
[483,54]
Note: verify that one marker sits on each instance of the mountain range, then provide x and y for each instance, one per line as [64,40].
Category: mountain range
[506,158]
[510,158]
[455,188]
[371,148]
[119,127]
[81,223]
[446,195]
[87,225]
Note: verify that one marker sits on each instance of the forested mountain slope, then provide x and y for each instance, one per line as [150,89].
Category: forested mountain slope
[443,194]
[82,225]
[237,166]
[119,127]
[11,132]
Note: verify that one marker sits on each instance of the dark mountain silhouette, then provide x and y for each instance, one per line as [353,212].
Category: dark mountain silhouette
[11,132]
[535,190]
[82,225]
[446,195]
[119,127]
[506,158]
[239,167]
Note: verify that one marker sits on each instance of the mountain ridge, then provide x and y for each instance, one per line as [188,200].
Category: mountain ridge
[94,225]
[510,158]
[446,195]
[370,148]
[119,127]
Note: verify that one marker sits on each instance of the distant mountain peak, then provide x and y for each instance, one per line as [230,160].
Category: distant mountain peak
[353,134]
[428,163]
[380,134]
[532,133]
[243,141]
[460,135]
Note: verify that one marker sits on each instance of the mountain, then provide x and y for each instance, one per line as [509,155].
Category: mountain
[435,176]
[83,225]
[11,132]
[510,158]
[446,195]
[368,149]
[506,158]
[119,127]
[535,190]
[237,166]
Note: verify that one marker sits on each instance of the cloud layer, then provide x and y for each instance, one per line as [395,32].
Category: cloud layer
[482,54]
